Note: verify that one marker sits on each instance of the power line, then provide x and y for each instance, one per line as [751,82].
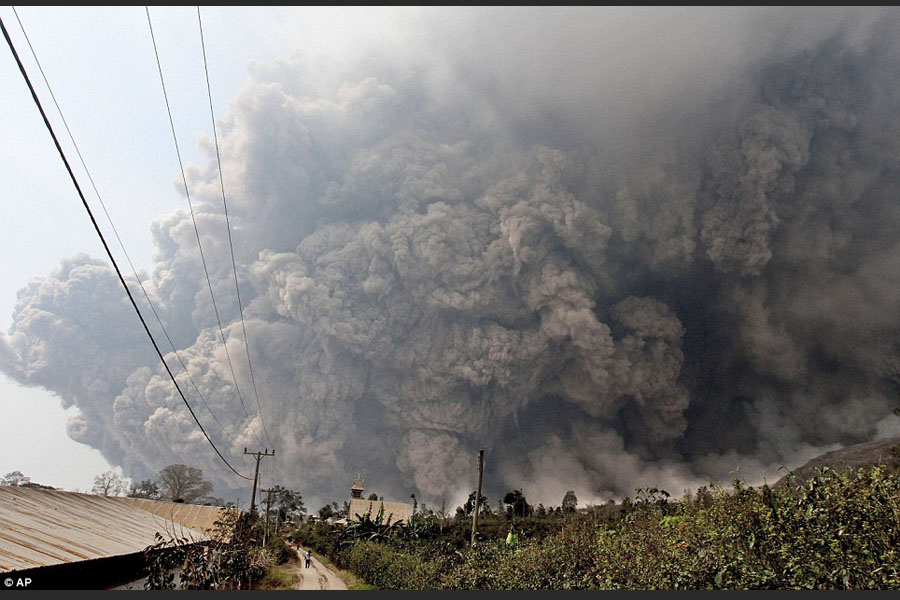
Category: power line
[237,288]
[197,231]
[112,259]
[113,226]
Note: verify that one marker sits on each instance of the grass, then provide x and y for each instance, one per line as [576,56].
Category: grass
[352,581]
[277,578]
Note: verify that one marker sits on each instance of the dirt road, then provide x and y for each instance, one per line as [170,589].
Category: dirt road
[316,577]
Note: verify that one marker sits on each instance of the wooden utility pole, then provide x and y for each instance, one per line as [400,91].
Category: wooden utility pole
[258,456]
[477,495]
[269,493]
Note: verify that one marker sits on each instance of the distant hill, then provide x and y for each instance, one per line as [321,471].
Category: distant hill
[851,457]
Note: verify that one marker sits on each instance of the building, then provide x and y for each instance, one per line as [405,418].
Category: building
[66,540]
[394,512]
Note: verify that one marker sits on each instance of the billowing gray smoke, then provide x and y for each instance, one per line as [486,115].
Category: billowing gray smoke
[604,280]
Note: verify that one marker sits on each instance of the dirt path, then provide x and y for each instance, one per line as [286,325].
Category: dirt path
[316,577]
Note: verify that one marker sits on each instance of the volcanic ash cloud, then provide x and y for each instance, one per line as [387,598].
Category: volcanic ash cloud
[425,274]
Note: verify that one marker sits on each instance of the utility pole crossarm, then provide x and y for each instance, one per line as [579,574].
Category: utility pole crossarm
[258,456]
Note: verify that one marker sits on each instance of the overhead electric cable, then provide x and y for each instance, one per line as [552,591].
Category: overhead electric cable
[112,259]
[197,231]
[237,288]
[113,226]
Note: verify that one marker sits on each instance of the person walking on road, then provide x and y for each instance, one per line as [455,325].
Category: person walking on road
[308,558]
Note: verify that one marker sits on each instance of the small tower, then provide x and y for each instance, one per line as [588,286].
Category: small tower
[357,489]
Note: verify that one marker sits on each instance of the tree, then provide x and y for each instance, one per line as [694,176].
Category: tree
[329,510]
[109,484]
[287,503]
[181,483]
[145,489]
[15,479]
[516,505]
[569,502]
[373,497]
[469,506]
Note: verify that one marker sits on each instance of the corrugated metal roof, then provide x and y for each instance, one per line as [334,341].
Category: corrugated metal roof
[43,527]
[394,512]
[195,516]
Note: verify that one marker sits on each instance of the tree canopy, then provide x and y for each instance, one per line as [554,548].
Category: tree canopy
[109,484]
[286,503]
[146,488]
[181,483]
[516,504]
[15,479]
[18,479]
[469,506]
[330,510]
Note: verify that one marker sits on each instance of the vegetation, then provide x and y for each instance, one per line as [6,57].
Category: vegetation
[277,578]
[181,483]
[19,479]
[838,530]
[287,505]
[109,484]
[333,510]
[245,552]
[174,483]
[147,488]
[350,580]
[235,559]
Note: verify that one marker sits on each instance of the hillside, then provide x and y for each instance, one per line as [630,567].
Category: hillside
[851,457]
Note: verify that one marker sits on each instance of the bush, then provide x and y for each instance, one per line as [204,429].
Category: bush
[387,568]
[233,560]
[836,531]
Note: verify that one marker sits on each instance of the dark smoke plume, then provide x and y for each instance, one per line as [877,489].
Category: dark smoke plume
[525,245]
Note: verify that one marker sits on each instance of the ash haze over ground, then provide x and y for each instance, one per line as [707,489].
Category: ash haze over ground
[612,247]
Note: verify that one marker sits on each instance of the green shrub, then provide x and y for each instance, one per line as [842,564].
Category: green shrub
[836,531]
[386,568]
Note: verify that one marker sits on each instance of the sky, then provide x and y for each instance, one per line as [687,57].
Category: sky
[612,246]
[100,64]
